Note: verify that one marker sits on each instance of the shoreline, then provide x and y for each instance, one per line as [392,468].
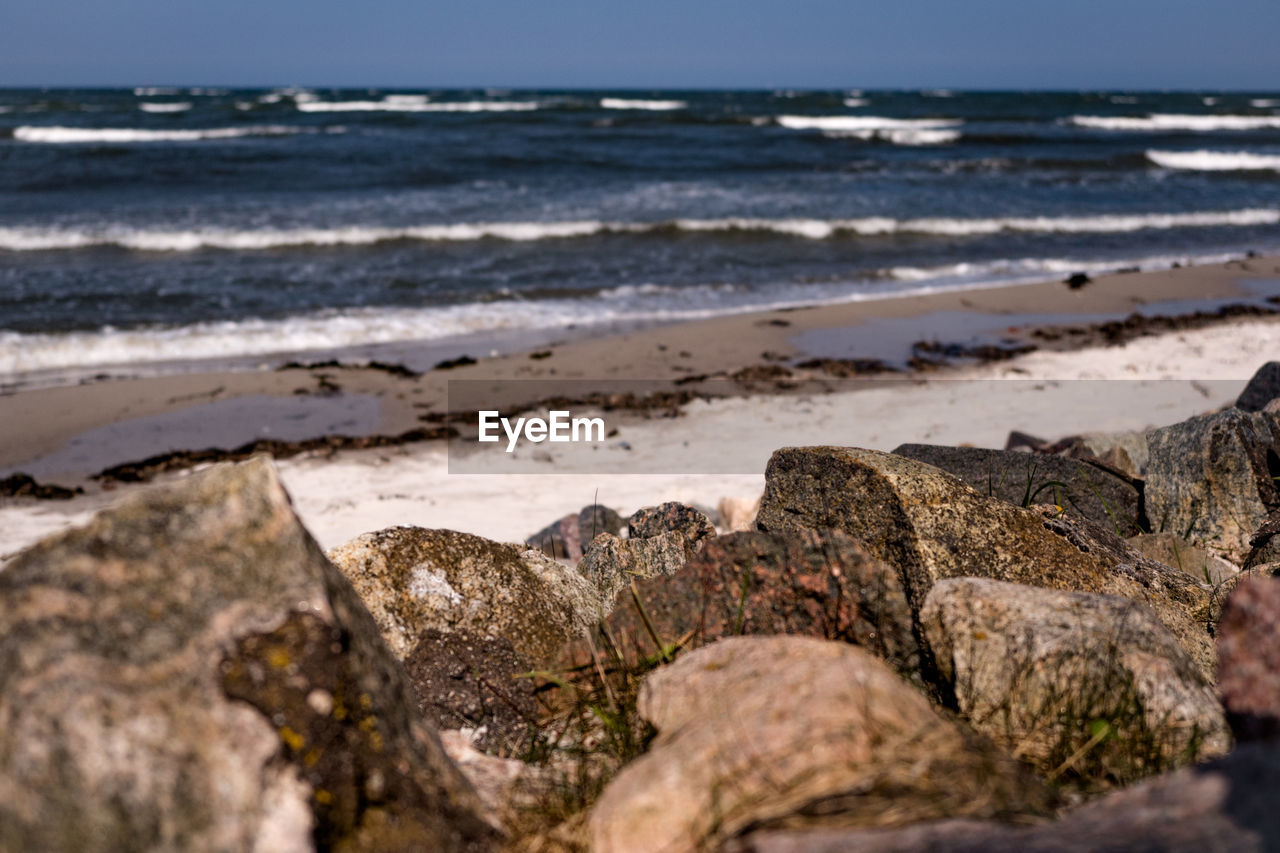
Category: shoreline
[734,403]
[772,350]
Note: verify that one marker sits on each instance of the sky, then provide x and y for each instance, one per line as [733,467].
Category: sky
[1001,44]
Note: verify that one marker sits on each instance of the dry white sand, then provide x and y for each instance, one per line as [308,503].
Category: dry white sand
[1148,382]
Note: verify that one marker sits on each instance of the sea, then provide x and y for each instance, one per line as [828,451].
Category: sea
[157,226]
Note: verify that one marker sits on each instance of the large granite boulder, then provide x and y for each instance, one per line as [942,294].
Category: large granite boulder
[1022,479]
[1228,804]
[413,579]
[1263,387]
[188,672]
[1211,479]
[1249,659]
[820,584]
[1084,686]
[930,525]
[756,732]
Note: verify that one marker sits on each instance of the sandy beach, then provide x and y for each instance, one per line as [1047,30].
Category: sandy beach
[734,382]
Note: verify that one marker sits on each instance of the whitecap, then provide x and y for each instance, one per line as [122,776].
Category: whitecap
[634,104]
[1171,122]
[1215,161]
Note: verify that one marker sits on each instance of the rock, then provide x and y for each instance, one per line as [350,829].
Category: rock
[1182,555]
[413,579]
[188,672]
[756,732]
[1025,478]
[1264,544]
[1040,671]
[1223,805]
[662,539]
[1263,387]
[930,525]
[817,584]
[1249,659]
[1210,479]
[1222,592]
[737,514]
[463,680]
[505,785]
[565,539]
[670,517]
[1126,451]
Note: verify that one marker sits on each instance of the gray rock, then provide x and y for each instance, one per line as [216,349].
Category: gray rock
[1025,478]
[654,521]
[187,672]
[1226,805]
[1263,387]
[1210,479]
[1249,659]
[662,539]
[565,539]
[1040,671]
[413,579]
[1128,452]
[931,525]
[765,731]
[1264,545]
[1180,554]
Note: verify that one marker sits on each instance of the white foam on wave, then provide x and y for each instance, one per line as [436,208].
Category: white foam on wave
[1166,122]
[1265,103]
[1215,161]
[125,135]
[856,102]
[637,104]
[1024,270]
[924,136]
[415,106]
[858,124]
[178,107]
[154,91]
[46,239]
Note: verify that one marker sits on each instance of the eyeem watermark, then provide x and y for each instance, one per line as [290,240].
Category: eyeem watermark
[558,426]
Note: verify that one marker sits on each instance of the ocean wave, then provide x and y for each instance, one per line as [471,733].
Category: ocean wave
[122,135]
[634,104]
[923,136]
[1166,122]
[46,239]
[402,106]
[1215,161]
[858,124]
[856,102]
[178,107]
[1265,103]
[153,91]
[1024,270]
[26,353]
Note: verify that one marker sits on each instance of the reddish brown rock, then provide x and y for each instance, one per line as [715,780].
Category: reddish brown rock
[1249,659]
[820,584]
